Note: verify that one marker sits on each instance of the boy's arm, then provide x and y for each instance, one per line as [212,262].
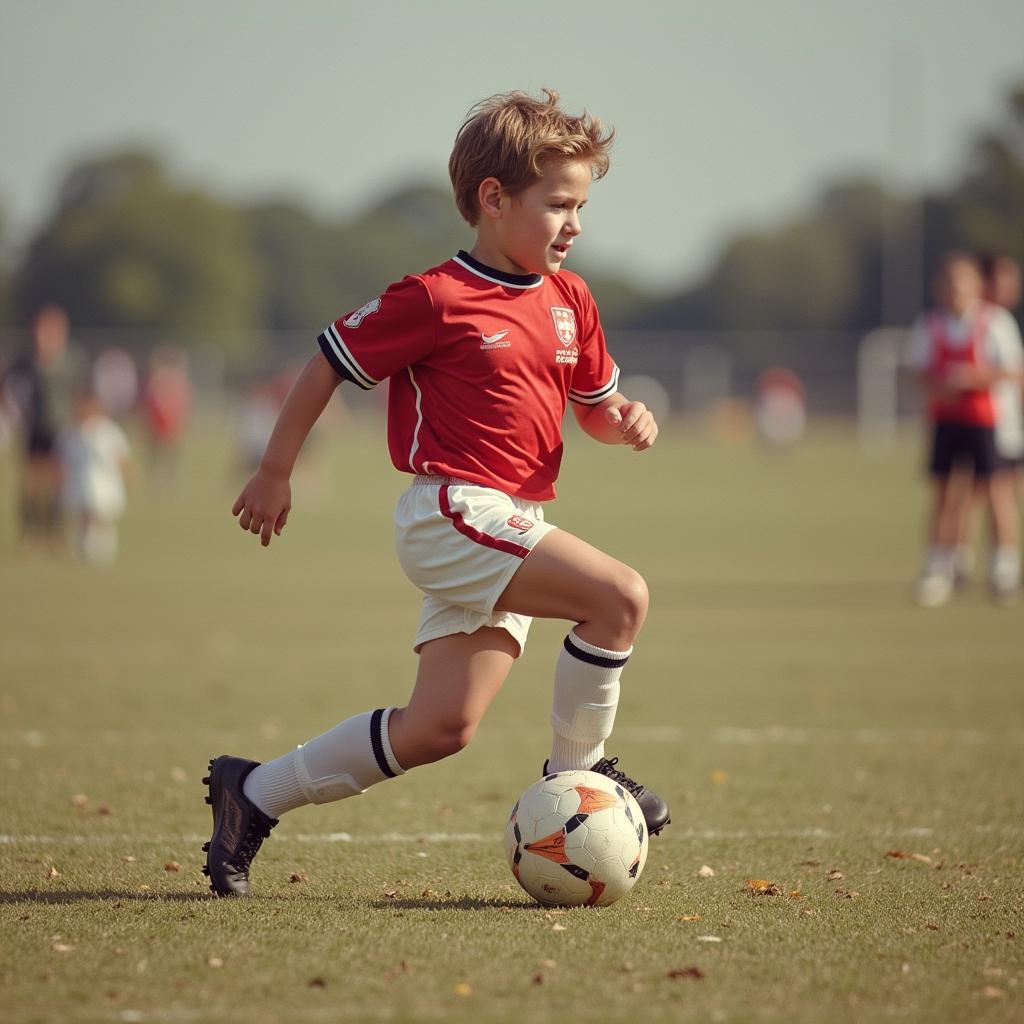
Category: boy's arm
[265,501]
[617,420]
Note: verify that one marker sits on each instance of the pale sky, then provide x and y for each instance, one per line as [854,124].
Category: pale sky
[729,114]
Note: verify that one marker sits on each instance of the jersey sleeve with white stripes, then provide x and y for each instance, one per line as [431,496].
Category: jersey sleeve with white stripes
[387,334]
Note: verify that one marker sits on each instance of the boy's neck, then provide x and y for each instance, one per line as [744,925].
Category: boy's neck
[518,278]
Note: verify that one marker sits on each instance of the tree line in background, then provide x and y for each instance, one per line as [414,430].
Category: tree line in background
[128,247]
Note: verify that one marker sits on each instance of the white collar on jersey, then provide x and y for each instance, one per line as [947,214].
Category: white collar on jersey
[474,266]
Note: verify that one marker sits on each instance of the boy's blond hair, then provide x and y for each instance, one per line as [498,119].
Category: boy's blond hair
[511,135]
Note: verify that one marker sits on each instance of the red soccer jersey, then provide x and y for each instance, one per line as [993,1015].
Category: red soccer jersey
[974,407]
[480,365]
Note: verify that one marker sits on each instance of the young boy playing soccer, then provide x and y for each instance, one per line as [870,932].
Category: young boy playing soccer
[482,354]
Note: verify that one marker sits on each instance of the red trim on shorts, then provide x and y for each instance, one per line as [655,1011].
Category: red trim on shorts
[460,524]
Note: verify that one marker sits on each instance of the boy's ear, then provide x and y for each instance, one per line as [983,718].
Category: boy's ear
[489,195]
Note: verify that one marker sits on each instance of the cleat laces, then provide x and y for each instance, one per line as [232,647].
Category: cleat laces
[607,768]
[250,844]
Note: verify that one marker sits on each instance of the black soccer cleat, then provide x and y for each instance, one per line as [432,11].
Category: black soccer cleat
[239,827]
[656,813]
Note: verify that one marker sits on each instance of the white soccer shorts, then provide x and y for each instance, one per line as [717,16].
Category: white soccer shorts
[461,544]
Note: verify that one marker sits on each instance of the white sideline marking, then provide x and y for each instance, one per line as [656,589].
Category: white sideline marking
[674,834]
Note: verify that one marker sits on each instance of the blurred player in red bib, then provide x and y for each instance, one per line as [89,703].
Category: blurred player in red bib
[482,355]
[968,355]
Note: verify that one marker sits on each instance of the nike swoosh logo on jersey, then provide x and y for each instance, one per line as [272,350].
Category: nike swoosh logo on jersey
[490,339]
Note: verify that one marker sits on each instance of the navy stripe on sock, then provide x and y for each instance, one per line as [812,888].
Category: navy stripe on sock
[378,744]
[593,659]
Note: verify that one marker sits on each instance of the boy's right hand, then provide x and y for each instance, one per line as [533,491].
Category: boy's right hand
[262,507]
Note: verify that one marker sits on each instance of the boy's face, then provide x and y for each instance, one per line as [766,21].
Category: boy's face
[959,286]
[534,230]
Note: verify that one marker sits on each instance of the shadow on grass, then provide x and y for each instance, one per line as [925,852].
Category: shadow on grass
[99,896]
[451,903]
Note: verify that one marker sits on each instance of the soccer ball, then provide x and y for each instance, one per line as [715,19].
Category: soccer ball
[575,839]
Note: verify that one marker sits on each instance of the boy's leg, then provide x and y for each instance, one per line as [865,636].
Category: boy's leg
[1004,573]
[458,677]
[566,578]
[934,586]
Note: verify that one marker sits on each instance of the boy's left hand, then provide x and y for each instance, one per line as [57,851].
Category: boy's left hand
[635,424]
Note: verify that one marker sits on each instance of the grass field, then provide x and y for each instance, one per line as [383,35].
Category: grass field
[803,719]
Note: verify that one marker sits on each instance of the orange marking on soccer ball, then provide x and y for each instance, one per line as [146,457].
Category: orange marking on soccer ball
[596,888]
[552,847]
[594,800]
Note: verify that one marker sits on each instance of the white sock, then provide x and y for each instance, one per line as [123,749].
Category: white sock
[940,561]
[1005,568]
[963,559]
[343,762]
[584,702]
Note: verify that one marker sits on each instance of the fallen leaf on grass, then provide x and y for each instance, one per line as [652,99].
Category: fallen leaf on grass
[719,778]
[559,928]
[537,979]
[795,894]
[179,775]
[762,887]
[390,894]
[931,926]
[53,873]
[689,917]
[686,972]
[991,992]
[298,876]
[105,810]
[62,947]
[846,894]
[903,855]
[128,859]
[317,983]
[214,961]
[834,875]
[463,988]
[172,865]
[547,962]
[706,872]
[708,938]
[79,800]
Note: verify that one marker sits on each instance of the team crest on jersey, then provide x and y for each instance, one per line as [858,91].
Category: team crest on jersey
[565,324]
[520,523]
[356,318]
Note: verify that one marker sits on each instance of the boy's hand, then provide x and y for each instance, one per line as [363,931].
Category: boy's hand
[263,505]
[635,423]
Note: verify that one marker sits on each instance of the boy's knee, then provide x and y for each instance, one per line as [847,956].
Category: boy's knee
[451,737]
[632,600]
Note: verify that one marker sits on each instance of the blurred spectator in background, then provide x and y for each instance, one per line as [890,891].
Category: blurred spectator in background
[38,390]
[96,458]
[166,405]
[967,352]
[115,380]
[1002,281]
[257,414]
[781,409]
